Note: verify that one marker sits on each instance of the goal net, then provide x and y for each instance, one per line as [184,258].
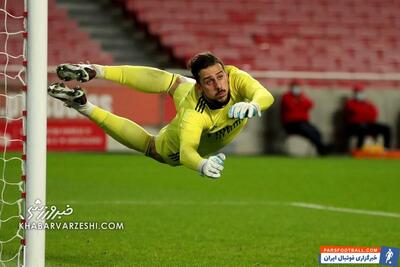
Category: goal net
[12,98]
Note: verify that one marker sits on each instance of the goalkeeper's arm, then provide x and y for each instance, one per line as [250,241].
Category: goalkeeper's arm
[254,91]
[191,128]
[250,89]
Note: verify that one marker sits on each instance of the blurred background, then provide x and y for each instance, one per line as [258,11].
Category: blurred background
[266,211]
[327,46]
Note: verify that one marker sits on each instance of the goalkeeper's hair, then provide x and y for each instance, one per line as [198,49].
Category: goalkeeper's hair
[201,61]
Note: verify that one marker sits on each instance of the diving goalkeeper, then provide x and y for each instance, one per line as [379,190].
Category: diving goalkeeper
[211,109]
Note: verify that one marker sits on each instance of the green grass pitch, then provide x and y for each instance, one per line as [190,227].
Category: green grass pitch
[174,217]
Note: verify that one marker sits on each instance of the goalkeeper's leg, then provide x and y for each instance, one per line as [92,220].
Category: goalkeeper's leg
[144,79]
[123,130]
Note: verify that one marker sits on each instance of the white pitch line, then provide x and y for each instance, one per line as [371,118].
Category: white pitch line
[168,203]
[345,210]
[231,203]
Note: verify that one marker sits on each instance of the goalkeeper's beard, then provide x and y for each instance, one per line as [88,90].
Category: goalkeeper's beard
[217,103]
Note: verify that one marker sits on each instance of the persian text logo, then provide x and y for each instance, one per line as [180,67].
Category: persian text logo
[42,212]
[42,217]
[349,255]
[73,226]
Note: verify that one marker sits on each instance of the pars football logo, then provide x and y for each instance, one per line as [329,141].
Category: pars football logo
[385,256]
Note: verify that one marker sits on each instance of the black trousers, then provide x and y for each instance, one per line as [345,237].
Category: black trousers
[307,130]
[371,129]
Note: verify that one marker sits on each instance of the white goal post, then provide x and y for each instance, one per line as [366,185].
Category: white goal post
[36,118]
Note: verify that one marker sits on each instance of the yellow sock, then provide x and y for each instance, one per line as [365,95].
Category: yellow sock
[123,130]
[144,79]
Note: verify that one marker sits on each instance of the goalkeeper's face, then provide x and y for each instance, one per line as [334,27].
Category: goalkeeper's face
[214,83]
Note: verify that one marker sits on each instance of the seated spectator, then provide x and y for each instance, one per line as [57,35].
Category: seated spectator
[295,108]
[360,118]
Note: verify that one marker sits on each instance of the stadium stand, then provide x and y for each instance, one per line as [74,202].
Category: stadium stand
[117,34]
[294,35]
[67,43]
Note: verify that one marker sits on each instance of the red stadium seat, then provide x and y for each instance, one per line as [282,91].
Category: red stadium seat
[313,35]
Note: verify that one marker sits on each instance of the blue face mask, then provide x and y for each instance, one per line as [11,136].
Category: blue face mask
[296,90]
[359,96]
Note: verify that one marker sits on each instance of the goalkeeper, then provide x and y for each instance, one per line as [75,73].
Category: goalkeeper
[211,109]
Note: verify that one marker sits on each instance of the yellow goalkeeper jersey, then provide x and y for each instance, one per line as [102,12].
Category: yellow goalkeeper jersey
[197,130]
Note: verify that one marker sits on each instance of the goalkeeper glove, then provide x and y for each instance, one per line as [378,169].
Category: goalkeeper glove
[243,110]
[213,166]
